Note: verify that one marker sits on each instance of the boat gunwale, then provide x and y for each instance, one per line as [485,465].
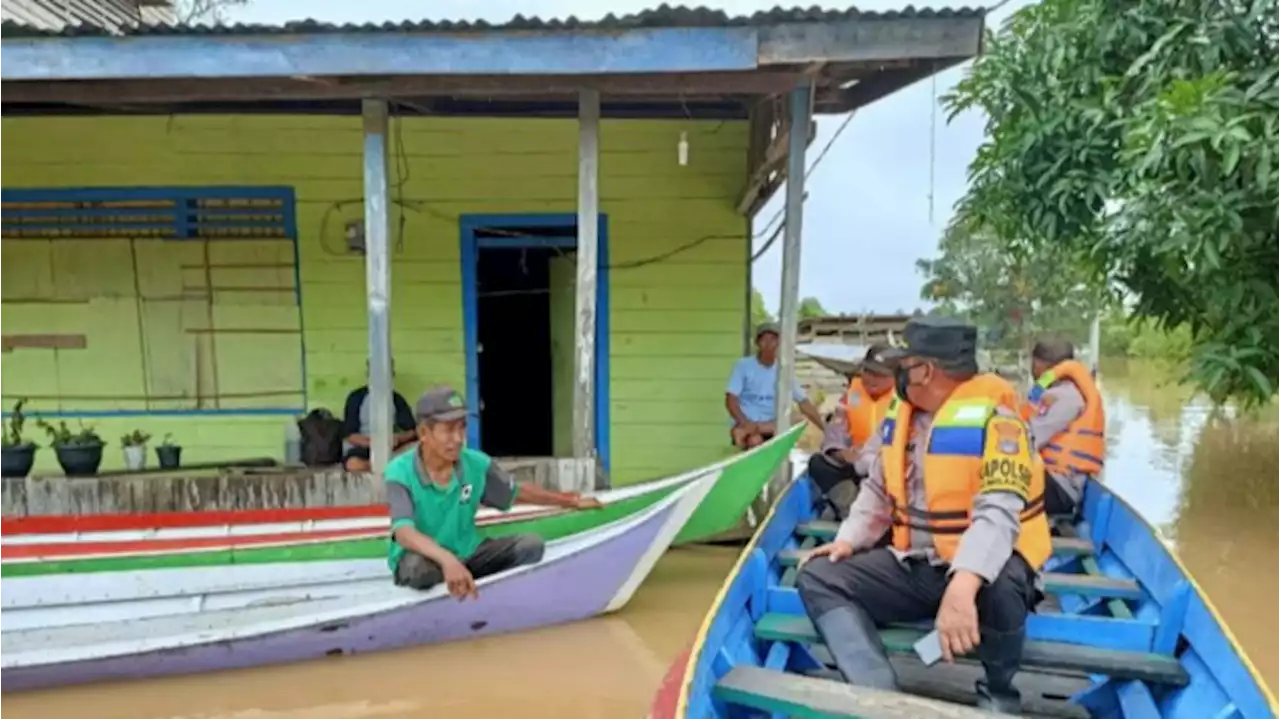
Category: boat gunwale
[694,650]
[14,527]
[1195,587]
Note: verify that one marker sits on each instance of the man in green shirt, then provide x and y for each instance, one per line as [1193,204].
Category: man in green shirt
[434,493]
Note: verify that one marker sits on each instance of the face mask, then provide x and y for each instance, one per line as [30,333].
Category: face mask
[902,381]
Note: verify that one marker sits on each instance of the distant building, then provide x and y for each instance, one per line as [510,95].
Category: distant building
[106,14]
[831,348]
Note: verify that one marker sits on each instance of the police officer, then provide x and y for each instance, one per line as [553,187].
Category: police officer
[1068,423]
[850,443]
[956,484]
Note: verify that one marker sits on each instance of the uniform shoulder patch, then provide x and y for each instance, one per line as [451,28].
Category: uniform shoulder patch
[1006,457]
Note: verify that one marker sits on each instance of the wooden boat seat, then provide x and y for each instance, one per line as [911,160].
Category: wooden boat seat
[1142,666]
[795,695]
[1062,546]
[1089,585]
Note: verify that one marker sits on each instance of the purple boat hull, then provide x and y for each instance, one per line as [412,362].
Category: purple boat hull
[564,589]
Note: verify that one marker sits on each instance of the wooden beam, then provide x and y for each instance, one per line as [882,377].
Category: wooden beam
[768,175]
[801,105]
[298,87]
[880,85]
[578,52]
[377,262]
[866,40]
[8,343]
[584,356]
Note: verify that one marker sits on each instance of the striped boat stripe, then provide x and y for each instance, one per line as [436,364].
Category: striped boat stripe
[125,547]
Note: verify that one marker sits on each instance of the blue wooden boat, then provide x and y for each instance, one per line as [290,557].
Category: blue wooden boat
[1126,632]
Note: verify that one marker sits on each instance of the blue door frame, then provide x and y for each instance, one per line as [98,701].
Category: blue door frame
[471,244]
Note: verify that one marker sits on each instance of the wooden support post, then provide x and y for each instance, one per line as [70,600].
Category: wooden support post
[584,356]
[788,312]
[377,280]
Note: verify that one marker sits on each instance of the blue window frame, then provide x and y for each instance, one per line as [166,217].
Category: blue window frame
[211,212]
[177,213]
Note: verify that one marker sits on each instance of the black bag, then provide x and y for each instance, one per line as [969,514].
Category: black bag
[321,434]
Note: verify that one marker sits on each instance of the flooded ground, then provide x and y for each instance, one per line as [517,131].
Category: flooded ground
[1208,480]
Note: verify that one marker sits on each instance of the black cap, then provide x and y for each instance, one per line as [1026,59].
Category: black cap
[945,339]
[880,359]
[440,404]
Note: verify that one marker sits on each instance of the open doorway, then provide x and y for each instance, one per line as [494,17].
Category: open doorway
[519,284]
[514,334]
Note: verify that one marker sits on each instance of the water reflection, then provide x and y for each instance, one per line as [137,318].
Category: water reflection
[1208,478]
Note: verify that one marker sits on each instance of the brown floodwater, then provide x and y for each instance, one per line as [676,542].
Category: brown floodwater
[1207,479]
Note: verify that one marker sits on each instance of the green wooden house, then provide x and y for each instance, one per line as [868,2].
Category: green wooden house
[207,233]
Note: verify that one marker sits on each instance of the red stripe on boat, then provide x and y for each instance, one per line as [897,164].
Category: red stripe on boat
[64,549]
[64,523]
[67,524]
[667,698]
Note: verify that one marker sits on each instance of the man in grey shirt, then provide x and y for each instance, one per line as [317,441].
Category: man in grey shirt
[981,597]
[1058,407]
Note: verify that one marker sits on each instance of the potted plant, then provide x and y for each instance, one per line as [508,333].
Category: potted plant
[19,453]
[79,453]
[168,453]
[135,449]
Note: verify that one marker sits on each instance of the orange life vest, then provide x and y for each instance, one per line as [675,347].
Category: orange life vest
[862,412]
[970,449]
[1082,446]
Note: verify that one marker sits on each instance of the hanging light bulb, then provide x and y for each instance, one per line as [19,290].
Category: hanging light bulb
[682,149]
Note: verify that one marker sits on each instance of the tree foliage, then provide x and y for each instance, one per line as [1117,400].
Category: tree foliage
[189,12]
[811,307]
[759,313]
[1141,135]
[1012,298]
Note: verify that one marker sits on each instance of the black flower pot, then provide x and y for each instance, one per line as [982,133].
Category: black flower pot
[170,455]
[79,460]
[17,460]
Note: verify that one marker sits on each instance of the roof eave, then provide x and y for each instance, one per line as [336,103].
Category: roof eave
[676,64]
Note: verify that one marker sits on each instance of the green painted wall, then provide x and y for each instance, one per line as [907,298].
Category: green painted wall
[676,325]
[563,285]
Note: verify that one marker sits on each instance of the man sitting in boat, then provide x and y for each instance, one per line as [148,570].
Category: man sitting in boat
[356,427]
[961,491]
[434,494]
[1068,423]
[850,443]
[753,384]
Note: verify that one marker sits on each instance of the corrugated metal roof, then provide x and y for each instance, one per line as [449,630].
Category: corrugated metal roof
[54,15]
[664,16]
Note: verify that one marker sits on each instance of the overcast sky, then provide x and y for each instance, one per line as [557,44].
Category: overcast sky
[867,219]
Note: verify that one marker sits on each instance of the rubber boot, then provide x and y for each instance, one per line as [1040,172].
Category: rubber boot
[852,638]
[1005,701]
[1001,653]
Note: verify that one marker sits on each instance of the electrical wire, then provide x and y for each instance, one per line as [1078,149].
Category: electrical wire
[812,166]
[402,204]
